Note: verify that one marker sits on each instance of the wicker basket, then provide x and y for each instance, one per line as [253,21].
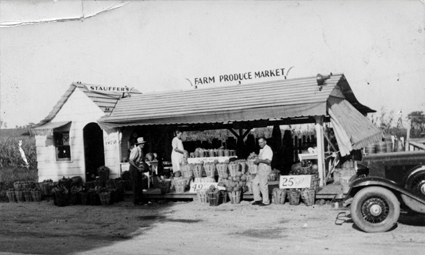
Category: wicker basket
[84,198]
[19,194]
[11,195]
[202,196]
[244,166]
[164,186]
[252,168]
[187,170]
[46,188]
[198,170]
[294,197]
[308,196]
[315,183]
[61,199]
[214,198]
[224,196]
[27,196]
[233,169]
[105,198]
[279,196]
[235,196]
[36,195]
[210,170]
[222,169]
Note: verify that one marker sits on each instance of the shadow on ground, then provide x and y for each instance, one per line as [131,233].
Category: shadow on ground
[43,228]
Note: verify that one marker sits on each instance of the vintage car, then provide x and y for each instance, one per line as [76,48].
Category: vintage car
[387,183]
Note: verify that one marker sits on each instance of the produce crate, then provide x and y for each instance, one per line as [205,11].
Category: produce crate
[308,196]
[202,196]
[27,196]
[214,198]
[279,196]
[36,195]
[11,195]
[235,196]
[105,198]
[294,197]
[19,194]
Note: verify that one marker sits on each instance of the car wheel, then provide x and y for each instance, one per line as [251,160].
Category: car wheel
[415,181]
[375,209]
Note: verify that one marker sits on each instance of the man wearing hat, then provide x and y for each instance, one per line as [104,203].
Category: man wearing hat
[136,171]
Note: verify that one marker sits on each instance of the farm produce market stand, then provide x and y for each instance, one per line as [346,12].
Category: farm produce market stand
[237,108]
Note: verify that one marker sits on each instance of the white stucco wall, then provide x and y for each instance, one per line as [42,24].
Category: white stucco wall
[81,110]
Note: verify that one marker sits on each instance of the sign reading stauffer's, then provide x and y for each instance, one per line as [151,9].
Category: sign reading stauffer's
[108,89]
[242,76]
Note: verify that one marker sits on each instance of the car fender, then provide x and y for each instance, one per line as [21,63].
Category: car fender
[364,182]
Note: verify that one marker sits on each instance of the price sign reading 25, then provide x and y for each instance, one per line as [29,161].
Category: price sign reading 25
[294,181]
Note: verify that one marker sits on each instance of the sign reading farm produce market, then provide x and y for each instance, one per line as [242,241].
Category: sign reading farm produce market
[280,72]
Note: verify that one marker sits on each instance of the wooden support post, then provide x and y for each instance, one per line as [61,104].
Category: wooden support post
[407,145]
[234,133]
[320,149]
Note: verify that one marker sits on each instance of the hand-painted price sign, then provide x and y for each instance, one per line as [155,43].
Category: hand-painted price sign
[294,181]
[195,186]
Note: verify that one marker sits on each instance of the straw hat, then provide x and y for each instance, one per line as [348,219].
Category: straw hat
[140,140]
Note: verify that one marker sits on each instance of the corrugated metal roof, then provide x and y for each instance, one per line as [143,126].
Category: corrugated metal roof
[106,101]
[258,101]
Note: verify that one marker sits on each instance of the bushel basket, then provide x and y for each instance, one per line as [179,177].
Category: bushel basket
[308,197]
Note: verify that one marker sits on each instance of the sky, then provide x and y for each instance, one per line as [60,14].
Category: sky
[160,45]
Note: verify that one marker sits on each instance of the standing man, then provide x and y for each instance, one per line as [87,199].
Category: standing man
[178,151]
[136,170]
[260,183]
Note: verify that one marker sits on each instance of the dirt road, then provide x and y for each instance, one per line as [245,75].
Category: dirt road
[191,228]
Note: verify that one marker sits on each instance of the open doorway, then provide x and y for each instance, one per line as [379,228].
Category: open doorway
[94,154]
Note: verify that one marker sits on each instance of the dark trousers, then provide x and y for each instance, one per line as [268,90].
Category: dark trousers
[136,182]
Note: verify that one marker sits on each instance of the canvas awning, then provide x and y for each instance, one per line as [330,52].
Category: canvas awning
[47,129]
[353,131]
[274,100]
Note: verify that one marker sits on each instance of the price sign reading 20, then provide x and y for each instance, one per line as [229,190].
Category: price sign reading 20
[294,181]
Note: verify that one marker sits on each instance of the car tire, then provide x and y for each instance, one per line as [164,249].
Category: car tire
[375,209]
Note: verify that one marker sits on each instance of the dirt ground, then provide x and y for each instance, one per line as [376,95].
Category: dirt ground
[192,228]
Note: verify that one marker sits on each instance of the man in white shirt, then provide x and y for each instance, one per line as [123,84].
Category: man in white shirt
[260,184]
